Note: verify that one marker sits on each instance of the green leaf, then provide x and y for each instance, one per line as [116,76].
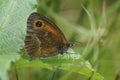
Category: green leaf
[69,62]
[13,17]
[5,61]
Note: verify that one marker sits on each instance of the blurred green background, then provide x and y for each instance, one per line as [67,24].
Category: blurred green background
[92,25]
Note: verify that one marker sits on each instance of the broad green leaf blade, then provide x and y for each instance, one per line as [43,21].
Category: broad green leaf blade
[68,62]
[5,61]
[13,17]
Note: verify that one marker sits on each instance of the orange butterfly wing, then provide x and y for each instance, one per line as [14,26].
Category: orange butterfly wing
[43,37]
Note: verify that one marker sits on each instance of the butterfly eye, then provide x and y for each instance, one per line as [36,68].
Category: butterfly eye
[38,24]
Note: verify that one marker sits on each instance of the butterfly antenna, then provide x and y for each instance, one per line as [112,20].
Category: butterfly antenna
[79,43]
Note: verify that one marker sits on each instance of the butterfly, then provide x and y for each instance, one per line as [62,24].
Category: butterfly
[43,37]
